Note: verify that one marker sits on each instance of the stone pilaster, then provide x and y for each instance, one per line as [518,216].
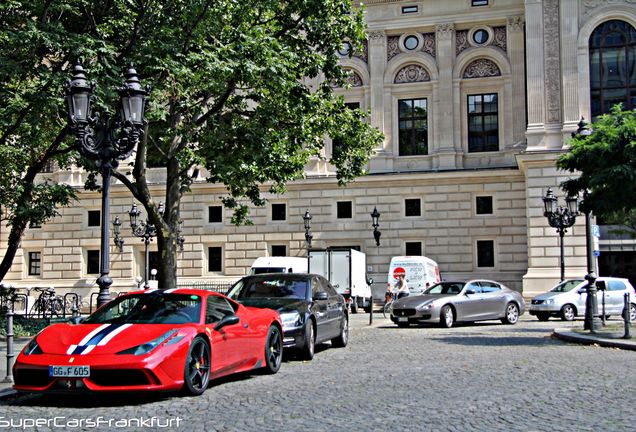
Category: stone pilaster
[515,45]
[535,73]
[446,146]
[569,68]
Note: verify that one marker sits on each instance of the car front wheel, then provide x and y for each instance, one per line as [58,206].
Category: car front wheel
[632,312]
[512,314]
[543,316]
[447,318]
[197,367]
[343,338]
[568,313]
[273,350]
[307,351]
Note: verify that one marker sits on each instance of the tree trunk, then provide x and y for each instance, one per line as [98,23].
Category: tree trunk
[15,236]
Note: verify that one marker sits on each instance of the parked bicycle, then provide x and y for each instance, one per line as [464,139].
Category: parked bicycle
[48,304]
[389,298]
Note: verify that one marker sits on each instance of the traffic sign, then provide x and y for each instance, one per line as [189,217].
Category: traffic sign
[596,231]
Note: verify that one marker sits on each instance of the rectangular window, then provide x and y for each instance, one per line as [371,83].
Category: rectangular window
[483,205]
[279,212]
[413,248]
[215,214]
[92,262]
[94,218]
[35,263]
[344,210]
[215,259]
[413,127]
[483,127]
[412,207]
[485,253]
[479,3]
[279,250]
[409,9]
[153,263]
[337,145]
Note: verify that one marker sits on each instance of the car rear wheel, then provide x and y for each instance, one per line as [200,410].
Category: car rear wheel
[543,316]
[447,317]
[307,351]
[512,314]
[197,367]
[354,305]
[273,350]
[567,312]
[343,339]
[632,312]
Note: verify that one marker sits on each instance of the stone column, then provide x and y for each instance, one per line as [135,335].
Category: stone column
[516,53]
[569,67]
[535,74]
[382,161]
[552,52]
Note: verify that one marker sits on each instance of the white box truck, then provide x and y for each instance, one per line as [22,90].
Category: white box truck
[419,272]
[278,264]
[346,269]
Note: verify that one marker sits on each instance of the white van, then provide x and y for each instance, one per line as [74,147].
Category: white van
[419,272]
[278,264]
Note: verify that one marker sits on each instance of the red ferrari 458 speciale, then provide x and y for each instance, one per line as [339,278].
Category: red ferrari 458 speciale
[152,340]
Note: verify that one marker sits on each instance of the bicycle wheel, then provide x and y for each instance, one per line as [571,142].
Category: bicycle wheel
[37,309]
[56,307]
[386,309]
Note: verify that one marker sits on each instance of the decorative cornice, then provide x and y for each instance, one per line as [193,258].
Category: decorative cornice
[516,23]
[591,4]
[445,31]
[411,73]
[376,36]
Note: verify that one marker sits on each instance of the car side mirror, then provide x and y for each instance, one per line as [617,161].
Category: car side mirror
[469,291]
[601,286]
[583,291]
[226,321]
[322,295]
[370,282]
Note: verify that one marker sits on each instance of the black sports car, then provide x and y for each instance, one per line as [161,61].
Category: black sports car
[310,308]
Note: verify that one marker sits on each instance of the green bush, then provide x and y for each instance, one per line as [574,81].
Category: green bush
[22,327]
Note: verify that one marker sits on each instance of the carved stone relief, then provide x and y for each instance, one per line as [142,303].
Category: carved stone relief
[354,79]
[392,47]
[591,4]
[445,31]
[481,68]
[499,39]
[410,74]
[516,23]
[429,43]
[461,41]
[551,48]
[364,55]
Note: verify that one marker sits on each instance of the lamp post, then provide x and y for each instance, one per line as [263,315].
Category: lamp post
[146,231]
[118,240]
[308,235]
[375,223]
[592,323]
[180,237]
[105,142]
[560,218]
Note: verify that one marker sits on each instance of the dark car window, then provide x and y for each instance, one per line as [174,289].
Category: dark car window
[316,286]
[217,308]
[445,288]
[271,286]
[615,285]
[567,285]
[150,308]
[475,287]
[488,287]
[327,287]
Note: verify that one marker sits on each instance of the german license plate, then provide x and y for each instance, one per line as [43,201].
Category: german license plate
[69,371]
[403,319]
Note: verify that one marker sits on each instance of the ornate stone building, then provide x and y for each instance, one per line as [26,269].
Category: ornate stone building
[476,99]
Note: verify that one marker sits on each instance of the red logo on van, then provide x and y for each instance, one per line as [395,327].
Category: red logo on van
[399,271]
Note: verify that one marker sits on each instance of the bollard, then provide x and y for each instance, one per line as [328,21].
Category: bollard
[9,377]
[371,311]
[627,316]
[603,305]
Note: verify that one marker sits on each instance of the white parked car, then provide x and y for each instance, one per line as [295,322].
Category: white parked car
[567,299]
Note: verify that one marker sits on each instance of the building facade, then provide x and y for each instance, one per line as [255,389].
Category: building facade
[476,99]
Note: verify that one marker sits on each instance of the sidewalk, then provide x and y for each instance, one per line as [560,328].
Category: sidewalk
[6,387]
[601,338]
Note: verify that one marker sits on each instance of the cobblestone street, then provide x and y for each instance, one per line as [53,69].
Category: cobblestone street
[484,377]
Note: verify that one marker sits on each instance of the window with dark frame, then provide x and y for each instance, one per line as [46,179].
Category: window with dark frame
[485,253]
[344,210]
[279,212]
[279,250]
[215,214]
[94,218]
[413,127]
[92,262]
[412,207]
[409,9]
[483,127]
[612,50]
[479,3]
[153,261]
[35,263]
[337,145]
[215,259]
[413,248]
[483,205]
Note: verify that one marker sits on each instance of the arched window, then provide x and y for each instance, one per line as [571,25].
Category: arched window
[612,66]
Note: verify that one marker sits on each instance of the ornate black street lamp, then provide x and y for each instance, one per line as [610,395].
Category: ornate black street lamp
[308,234]
[105,142]
[146,231]
[560,218]
[118,240]
[180,237]
[375,218]
[592,323]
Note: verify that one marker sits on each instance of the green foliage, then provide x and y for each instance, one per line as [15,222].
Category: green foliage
[606,162]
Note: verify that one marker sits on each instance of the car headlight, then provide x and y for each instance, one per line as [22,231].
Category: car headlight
[33,347]
[549,301]
[290,320]
[147,347]
[426,306]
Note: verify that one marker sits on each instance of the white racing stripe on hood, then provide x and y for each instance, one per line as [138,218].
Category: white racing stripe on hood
[112,335]
[91,334]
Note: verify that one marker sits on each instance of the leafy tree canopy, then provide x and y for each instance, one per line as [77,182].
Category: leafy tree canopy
[606,162]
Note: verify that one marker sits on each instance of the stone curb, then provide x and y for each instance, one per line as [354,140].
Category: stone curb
[571,336]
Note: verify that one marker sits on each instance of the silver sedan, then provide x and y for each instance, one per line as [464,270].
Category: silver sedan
[450,302]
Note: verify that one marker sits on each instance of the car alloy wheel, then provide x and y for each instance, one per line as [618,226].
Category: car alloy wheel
[447,317]
[197,367]
[512,314]
[567,312]
[632,312]
[273,350]
[343,338]
[310,341]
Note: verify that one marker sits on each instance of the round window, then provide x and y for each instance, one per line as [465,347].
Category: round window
[480,37]
[411,42]
[345,49]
